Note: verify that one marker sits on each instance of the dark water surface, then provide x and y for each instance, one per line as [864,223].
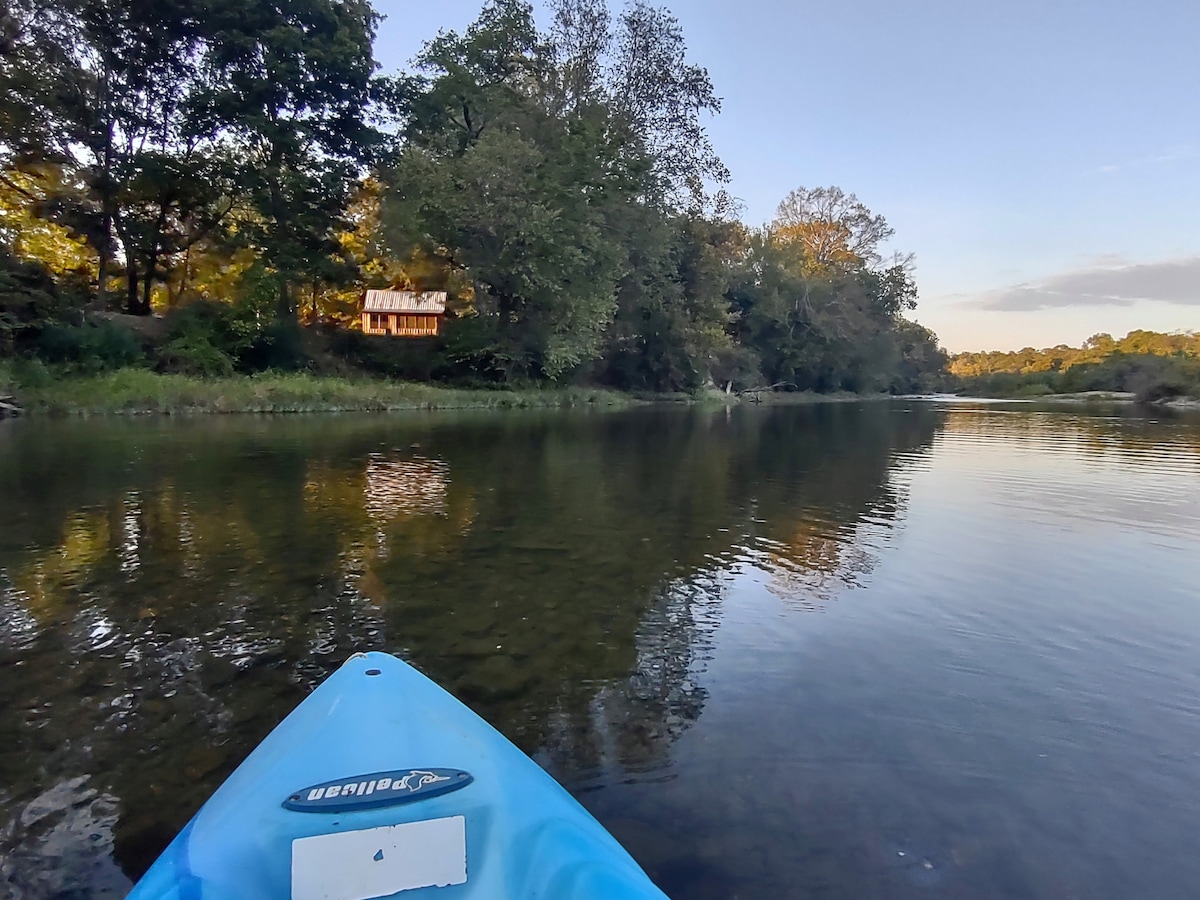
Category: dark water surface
[848,651]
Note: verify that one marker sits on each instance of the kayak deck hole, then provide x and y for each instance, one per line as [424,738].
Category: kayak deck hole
[374,672]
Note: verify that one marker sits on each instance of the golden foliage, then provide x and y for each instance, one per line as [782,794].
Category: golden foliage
[377,268]
[1095,349]
[32,237]
[823,245]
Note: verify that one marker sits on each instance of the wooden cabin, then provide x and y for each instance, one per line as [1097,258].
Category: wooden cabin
[404,313]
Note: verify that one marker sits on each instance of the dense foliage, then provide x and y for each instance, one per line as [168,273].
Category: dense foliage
[1149,364]
[238,167]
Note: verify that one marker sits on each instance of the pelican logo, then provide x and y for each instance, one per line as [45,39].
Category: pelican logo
[417,779]
[377,789]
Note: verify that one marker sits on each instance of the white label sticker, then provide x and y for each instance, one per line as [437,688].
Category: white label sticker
[376,862]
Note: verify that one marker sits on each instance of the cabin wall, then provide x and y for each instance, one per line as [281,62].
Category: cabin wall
[401,324]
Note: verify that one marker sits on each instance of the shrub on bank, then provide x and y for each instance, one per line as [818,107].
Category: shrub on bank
[227,327]
[279,346]
[194,355]
[422,359]
[1030,391]
[89,348]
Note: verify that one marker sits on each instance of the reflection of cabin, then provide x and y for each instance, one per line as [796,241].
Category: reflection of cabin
[403,313]
[396,487]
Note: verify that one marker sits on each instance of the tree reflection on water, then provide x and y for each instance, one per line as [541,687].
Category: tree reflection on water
[170,590]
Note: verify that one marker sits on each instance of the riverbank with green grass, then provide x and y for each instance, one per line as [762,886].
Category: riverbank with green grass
[141,392]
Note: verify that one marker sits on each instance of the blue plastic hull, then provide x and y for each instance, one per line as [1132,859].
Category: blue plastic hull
[509,831]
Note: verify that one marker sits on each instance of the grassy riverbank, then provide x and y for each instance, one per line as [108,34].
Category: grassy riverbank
[140,392]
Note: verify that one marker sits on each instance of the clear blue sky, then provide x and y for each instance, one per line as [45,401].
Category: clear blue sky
[1040,157]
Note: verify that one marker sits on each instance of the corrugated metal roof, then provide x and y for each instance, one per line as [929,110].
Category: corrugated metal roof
[405,302]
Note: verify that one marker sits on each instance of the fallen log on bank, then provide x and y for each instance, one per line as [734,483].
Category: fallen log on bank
[8,407]
[755,395]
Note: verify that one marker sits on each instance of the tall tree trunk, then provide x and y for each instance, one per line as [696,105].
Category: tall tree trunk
[102,274]
[147,288]
[285,310]
[185,279]
[152,260]
[106,218]
[132,303]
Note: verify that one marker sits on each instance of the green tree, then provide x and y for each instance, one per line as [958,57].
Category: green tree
[140,182]
[635,68]
[38,72]
[658,98]
[1151,365]
[813,299]
[496,185]
[672,321]
[291,85]
[554,170]
[922,364]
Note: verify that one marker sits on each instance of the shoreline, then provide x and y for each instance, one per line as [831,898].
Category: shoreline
[1124,398]
[138,392]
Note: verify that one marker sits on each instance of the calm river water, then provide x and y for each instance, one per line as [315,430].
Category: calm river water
[889,650]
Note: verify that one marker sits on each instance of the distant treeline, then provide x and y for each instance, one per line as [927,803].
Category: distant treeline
[1151,365]
[241,167]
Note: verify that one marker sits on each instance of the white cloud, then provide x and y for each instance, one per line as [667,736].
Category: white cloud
[1174,281]
[1170,155]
